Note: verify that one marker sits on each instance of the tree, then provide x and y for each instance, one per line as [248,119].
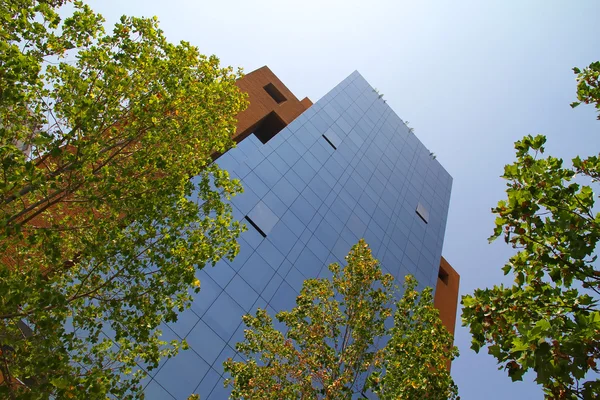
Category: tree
[549,320]
[102,229]
[416,355]
[588,86]
[333,347]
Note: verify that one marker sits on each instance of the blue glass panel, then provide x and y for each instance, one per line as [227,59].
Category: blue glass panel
[156,392]
[257,272]
[245,201]
[245,252]
[167,335]
[349,236]
[318,248]
[295,180]
[285,267]
[357,226]
[219,392]
[209,290]
[303,210]
[320,152]
[362,214]
[372,240]
[241,292]
[251,235]
[327,234]
[275,204]
[412,252]
[333,137]
[336,224]
[285,191]
[221,273]
[268,173]
[282,237]
[308,263]
[208,383]
[258,187]
[306,235]
[292,222]
[341,210]
[224,316]
[349,199]
[311,197]
[185,322]
[284,298]
[295,252]
[327,178]
[288,153]
[181,375]
[295,279]
[262,216]
[280,165]
[273,285]
[319,187]
[270,254]
[304,170]
[334,167]
[311,160]
[205,342]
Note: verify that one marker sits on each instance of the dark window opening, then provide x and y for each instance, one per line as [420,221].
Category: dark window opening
[268,127]
[255,226]
[443,275]
[275,93]
[328,141]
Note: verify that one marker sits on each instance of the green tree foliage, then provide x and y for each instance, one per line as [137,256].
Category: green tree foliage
[102,230]
[415,357]
[588,85]
[549,320]
[330,348]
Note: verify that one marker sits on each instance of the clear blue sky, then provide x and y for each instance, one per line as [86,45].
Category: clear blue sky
[470,76]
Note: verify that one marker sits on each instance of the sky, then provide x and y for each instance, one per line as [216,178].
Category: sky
[471,77]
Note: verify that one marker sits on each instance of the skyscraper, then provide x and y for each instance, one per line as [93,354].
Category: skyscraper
[316,179]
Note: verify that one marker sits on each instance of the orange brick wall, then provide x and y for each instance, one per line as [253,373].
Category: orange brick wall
[262,104]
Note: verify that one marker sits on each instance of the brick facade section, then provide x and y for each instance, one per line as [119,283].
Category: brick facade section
[446,295]
[263,105]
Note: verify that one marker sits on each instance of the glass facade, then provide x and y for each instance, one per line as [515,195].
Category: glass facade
[347,168]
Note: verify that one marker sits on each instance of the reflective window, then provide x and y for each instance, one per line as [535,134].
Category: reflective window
[156,392]
[241,292]
[262,216]
[257,272]
[268,173]
[284,298]
[185,322]
[422,212]
[303,210]
[206,342]
[304,170]
[181,375]
[318,248]
[215,316]
[208,383]
[282,237]
[327,234]
[288,154]
[258,187]
[285,191]
[308,263]
[270,254]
